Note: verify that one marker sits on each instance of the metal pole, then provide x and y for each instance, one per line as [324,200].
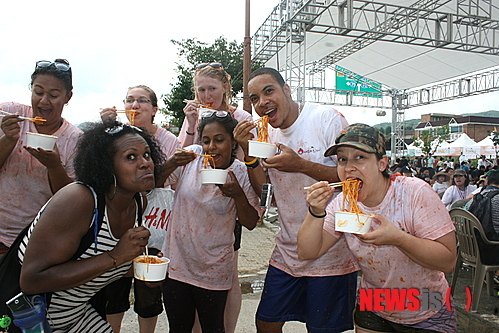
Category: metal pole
[394,128]
[246,59]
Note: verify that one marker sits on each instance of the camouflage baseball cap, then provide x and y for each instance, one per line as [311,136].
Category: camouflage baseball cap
[360,136]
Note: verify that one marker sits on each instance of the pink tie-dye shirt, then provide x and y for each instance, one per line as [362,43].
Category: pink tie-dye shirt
[24,180]
[200,235]
[412,206]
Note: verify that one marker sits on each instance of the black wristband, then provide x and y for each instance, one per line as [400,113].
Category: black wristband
[189,133]
[317,216]
[253,165]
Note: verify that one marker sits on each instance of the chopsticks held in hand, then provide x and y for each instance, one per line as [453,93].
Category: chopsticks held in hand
[330,184]
[37,120]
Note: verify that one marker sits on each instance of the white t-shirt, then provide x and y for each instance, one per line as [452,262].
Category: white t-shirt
[453,194]
[200,237]
[412,206]
[309,136]
[24,180]
[439,188]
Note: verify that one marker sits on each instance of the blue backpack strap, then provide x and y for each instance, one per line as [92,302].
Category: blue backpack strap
[97,217]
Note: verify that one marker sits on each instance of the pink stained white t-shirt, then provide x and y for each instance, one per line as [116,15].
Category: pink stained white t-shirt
[167,141]
[313,132]
[24,180]
[412,206]
[238,114]
[201,230]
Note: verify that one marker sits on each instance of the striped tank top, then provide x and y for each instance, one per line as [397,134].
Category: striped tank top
[69,310]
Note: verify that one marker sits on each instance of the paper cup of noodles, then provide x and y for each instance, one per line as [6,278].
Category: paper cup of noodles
[352,223]
[36,140]
[150,268]
[261,149]
[214,176]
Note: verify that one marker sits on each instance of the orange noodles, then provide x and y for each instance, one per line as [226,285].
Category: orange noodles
[208,160]
[148,260]
[350,195]
[262,125]
[208,106]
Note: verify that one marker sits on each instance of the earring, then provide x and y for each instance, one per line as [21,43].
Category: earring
[114,192]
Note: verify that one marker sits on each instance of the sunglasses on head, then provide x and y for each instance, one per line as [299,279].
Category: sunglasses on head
[59,65]
[219,114]
[213,64]
[119,128]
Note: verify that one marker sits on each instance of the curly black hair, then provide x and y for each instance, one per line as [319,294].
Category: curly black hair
[93,162]
[65,76]
[228,122]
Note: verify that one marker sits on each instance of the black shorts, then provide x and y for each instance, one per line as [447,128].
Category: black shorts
[148,302]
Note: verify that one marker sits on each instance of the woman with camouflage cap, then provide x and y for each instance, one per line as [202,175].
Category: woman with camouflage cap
[409,246]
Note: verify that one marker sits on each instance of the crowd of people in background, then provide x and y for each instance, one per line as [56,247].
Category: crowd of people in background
[312,276]
[453,178]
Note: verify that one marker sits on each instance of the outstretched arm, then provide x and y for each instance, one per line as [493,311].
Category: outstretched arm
[47,264]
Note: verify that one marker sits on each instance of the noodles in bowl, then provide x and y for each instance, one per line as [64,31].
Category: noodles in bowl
[352,219]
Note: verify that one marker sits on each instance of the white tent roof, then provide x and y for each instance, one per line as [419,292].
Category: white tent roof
[463,141]
[485,142]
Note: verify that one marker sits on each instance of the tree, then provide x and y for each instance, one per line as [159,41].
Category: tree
[192,52]
[495,140]
[429,140]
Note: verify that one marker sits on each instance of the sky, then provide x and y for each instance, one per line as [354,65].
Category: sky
[112,45]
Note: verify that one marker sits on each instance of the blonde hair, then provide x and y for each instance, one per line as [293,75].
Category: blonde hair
[219,74]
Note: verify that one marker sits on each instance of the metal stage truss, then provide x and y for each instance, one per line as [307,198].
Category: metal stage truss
[307,39]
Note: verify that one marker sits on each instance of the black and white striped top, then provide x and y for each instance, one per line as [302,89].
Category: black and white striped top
[69,310]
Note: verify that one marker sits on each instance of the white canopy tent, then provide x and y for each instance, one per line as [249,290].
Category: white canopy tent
[485,147]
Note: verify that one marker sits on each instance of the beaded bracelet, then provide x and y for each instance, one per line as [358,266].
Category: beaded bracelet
[317,216]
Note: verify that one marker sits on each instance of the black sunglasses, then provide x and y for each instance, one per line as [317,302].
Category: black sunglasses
[213,64]
[119,128]
[59,65]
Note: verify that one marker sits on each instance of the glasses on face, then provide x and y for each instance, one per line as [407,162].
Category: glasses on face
[139,100]
[119,128]
[213,64]
[59,65]
[219,114]
[458,176]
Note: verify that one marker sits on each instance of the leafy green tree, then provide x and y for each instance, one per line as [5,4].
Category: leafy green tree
[192,52]
[495,140]
[429,140]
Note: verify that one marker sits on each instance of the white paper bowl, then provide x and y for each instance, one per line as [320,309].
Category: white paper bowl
[36,140]
[150,272]
[352,223]
[261,149]
[214,176]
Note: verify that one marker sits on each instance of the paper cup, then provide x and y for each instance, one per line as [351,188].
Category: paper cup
[214,176]
[150,271]
[36,140]
[352,223]
[261,149]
